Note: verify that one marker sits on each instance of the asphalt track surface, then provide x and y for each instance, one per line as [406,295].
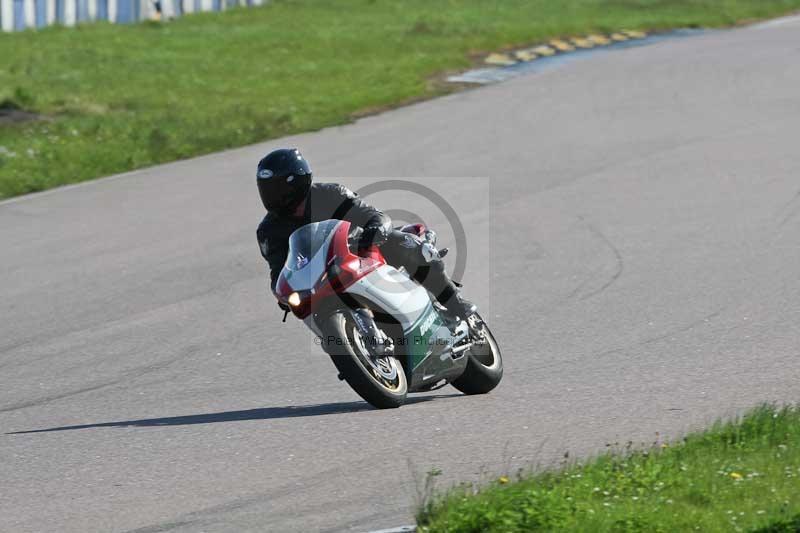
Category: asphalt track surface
[643,273]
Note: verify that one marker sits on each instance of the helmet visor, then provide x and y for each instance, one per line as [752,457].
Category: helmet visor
[282,192]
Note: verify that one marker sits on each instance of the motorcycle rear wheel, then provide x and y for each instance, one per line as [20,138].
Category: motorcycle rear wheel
[381,382]
[484,367]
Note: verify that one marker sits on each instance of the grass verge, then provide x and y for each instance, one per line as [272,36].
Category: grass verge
[737,476]
[80,103]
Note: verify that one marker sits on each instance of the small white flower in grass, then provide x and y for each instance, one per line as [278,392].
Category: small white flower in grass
[596,489]
[761,511]
[670,502]
[635,498]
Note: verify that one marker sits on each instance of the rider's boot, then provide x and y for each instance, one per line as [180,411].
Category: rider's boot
[458,308]
[429,270]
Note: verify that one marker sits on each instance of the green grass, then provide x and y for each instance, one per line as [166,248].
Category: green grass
[737,476]
[115,98]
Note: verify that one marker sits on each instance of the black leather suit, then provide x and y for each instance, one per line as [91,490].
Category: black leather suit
[332,201]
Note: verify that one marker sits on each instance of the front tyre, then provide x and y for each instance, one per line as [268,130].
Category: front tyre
[380,381]
[485,365]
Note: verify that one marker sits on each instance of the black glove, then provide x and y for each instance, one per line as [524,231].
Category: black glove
[372,236]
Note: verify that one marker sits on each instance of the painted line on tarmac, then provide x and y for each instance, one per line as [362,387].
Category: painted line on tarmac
[792,19]
[399,529]
[38,194]
[561,46]
[544,51]
[507,65]
[500,60]
[580,42]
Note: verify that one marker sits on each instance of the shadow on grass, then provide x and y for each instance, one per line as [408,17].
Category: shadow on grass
[266,413]
[791,525]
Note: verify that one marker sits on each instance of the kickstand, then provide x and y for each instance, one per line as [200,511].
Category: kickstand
[285,314]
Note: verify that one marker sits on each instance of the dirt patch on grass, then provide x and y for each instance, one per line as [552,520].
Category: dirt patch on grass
[11,113]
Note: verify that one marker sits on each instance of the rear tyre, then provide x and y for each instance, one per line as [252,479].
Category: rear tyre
[381,382]
[485,365]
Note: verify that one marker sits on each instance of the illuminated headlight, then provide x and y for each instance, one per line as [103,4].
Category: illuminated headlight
[294,299]
[300,302]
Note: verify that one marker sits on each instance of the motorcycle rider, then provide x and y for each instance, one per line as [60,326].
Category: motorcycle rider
[285,184]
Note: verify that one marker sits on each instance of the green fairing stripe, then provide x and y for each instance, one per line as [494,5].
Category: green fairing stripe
[417,343]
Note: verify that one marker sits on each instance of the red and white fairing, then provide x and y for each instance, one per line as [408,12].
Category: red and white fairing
[320,264]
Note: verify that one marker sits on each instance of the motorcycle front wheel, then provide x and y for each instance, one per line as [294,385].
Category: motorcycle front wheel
[485,365]
[380,381]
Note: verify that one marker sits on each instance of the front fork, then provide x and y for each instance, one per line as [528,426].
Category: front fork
[379,343]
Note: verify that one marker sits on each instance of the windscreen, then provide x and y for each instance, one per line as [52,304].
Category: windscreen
[305,242]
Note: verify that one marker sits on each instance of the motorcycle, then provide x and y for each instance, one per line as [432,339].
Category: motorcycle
[386,334]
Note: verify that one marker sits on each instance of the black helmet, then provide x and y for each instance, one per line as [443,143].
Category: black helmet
[284,179]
